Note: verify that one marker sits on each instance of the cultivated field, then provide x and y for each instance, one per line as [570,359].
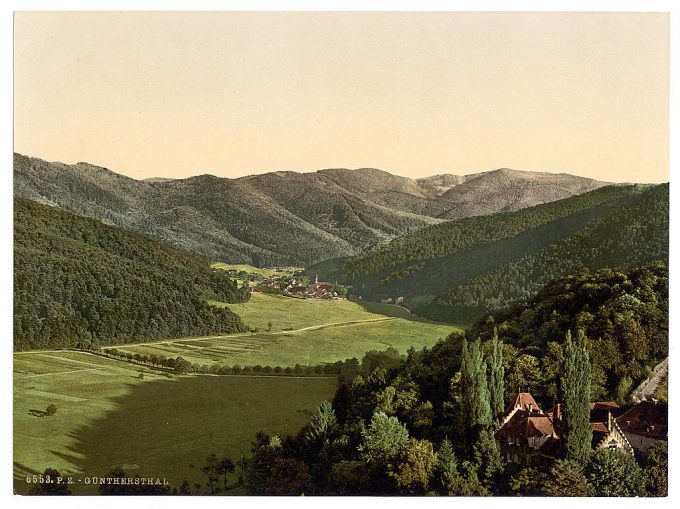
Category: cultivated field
[303,331]
[161,426]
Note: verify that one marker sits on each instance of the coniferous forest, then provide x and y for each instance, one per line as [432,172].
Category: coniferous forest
[79,281]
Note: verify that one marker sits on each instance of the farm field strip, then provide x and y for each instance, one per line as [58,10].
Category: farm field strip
[58,373]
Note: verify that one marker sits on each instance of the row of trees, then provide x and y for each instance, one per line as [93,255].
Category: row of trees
[181,365]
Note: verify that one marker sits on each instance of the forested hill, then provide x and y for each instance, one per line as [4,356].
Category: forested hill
[631,234]
[284,217]
[460,270]
[456,236]
[77,280]
[624,313]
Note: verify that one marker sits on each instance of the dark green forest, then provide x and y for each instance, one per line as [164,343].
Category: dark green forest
[458,271]
[632,234]
[79,281]
[403,425]
[454,236]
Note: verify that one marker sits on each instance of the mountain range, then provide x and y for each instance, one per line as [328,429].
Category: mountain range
[285,217]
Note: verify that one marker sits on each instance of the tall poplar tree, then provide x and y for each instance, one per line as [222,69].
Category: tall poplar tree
[474,388]
[575,388]
[496,377]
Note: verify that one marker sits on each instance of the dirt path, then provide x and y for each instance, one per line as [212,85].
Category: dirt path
[647,389]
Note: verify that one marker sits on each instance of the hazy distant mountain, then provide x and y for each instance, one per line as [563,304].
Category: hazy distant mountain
[284,217]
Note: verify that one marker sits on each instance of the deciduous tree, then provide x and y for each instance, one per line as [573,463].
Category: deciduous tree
[613,473]
[384,441]
[566,479]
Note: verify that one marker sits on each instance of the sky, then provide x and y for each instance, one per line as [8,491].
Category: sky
[416,94]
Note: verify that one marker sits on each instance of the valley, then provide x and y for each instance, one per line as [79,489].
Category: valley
[137,348]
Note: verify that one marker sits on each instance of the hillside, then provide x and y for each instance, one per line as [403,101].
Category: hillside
[459,270]
[624,313]
[631,234]
[284,217]
[77,280]
[425,396]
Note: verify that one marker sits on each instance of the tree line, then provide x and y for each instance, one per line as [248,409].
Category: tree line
[182,366]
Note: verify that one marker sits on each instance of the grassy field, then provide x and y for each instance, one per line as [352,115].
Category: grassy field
[161,426]
[165,425]
[287,271]
[287,313]
[303,331]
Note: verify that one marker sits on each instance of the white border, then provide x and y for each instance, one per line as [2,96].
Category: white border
[6,126]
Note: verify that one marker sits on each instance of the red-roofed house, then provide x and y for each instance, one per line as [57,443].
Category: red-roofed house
[606,432]
[524,430]
[645,424]
[532,437]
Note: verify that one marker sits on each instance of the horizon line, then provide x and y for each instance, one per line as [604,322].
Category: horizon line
[329,168]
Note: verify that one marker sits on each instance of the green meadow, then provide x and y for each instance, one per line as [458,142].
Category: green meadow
[161,426]
[165,425]
[303,331]
[266,272]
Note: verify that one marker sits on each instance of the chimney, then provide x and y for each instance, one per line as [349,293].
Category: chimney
[557,412]
[529,406]
[609,420]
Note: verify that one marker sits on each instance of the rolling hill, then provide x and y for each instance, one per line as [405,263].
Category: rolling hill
[284,217]
[77,280]
[459,270]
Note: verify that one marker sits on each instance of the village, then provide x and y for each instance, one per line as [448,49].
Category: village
[292,282]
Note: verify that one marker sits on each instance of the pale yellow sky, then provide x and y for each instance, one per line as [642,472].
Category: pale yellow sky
[416,94]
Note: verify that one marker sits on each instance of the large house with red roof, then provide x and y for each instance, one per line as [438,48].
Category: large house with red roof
[530,436]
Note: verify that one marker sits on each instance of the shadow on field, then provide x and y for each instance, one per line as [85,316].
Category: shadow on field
[167,428]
